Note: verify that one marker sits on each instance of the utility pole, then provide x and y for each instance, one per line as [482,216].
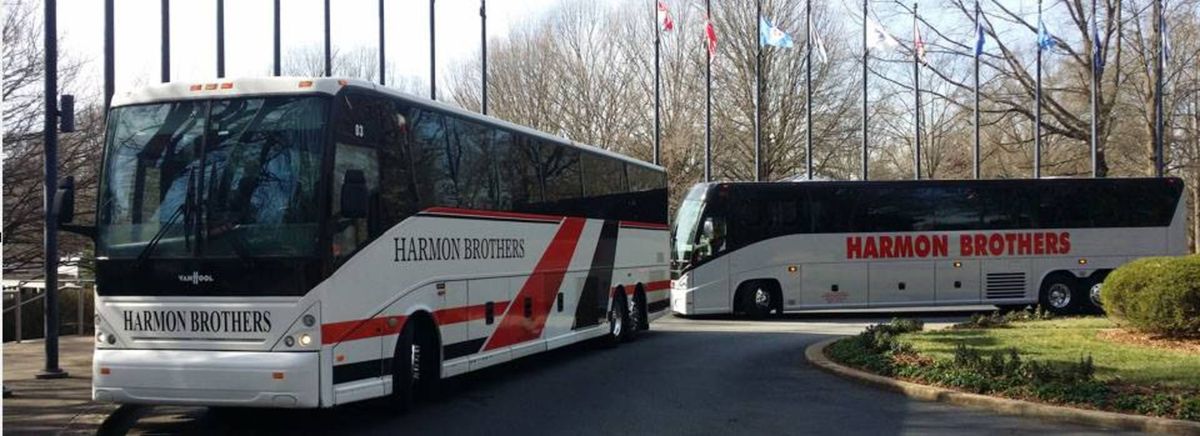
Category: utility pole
[50,140]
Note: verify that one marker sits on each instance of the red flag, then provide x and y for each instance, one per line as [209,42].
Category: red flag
[664,17]
[918,44]
[710,34]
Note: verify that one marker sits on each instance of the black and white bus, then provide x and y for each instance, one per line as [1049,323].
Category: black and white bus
[290,242]
[758,248]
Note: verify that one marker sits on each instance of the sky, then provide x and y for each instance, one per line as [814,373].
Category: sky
[249,27]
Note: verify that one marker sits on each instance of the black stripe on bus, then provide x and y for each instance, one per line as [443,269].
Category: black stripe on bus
[464,348]
[659,305]
[593,299]
[361,370]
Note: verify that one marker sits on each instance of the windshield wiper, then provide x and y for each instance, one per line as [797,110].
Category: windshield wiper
[184,210]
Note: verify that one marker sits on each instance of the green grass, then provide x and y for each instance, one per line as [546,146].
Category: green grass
[1066,340]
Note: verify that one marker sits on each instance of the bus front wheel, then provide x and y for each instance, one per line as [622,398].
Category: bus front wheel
[618,321]
[757,299]
[1060,294]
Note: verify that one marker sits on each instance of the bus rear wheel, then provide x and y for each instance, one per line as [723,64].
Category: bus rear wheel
[1060,294]
[1095,284]
[637,317]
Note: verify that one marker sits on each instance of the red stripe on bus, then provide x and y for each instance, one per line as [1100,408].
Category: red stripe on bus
[492,214]
[456,315]
[646,226]
[360,329]
[661,285]
[541,287]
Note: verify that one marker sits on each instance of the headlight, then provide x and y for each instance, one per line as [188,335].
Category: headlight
[305,339]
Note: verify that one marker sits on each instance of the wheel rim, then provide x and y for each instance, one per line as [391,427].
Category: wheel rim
[1059,295]
[635,315]
[618,321]
[762,299]
[1094,293]
[415,362]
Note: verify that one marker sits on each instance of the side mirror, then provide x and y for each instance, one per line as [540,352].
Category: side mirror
[354,195]
[708,228]
[66,113]
[64,200]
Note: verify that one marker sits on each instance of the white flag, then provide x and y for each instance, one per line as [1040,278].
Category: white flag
[877,37]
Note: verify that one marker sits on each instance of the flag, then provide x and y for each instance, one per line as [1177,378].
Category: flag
[1045,41]
[918,44]
[771,35]
[710,35]
[877,37]
[980,37]
[817,45]
[1166,39]
[1097,49]
[664,17]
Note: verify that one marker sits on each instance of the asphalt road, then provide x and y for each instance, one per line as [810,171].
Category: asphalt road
[716,376]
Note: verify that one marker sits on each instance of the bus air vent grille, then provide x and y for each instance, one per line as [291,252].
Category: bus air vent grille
[1005,285]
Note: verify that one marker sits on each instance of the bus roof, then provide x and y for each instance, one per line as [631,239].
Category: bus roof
[884,183]
[217,88]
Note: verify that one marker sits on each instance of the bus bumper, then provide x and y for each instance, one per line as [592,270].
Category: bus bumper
[207,378]
[682,302]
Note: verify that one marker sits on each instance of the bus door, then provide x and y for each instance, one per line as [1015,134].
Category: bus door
[711,275]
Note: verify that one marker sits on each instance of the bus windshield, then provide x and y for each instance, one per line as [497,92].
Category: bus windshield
[213,178]
[686,225]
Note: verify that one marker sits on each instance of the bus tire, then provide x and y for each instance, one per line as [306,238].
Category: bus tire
[757,298]
[637,316]
[618,321]
[1095,284]
[1060,294]
[643,308]
[403,382]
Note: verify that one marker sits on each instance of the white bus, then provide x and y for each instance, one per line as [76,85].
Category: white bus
[291,242]
[758,248]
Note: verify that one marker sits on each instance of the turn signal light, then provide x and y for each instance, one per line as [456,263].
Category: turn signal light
[1082,261]
[105,371]
[306,84]
[277,375]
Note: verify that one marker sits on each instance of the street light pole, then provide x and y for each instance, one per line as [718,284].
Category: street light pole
[50,138]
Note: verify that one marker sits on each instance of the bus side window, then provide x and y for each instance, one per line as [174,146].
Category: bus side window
[398,192]
[349,234]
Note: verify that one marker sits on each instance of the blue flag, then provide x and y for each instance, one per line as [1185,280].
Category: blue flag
[980,37]
[771,35]
[1045,41]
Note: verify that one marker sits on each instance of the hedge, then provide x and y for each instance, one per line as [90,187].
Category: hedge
[1157,295]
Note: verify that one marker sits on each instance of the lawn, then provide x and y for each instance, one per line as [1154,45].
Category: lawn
[1067,340]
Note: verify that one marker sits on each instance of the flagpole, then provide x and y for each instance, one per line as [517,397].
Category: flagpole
[220,39]
[657,86]
[864,93]
[165,58]
[707,95]
[917,95]
[276,64]
[1159,140]
[382,49]
[808,162]
[432,53]
[978,31]
[483,52]
[328,44]
[758,91]
[1037,96]
[1095,101]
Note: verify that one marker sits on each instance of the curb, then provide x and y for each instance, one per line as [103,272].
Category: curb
[815,354]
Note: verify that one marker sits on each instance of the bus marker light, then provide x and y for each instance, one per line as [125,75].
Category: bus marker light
[305,339]
[306,84]
[195,87]
[105,371]
[289,341]
[227,85]
[342,82]
[1082,261]
[792,268]
[277,375]
[957,264]
[210,86]
[340,358]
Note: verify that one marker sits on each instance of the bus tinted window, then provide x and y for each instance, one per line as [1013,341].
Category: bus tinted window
[468,165]
[560,171]
[517,167]
[602,175]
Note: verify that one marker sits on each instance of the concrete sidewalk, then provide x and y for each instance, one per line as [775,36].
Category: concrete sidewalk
[59,406]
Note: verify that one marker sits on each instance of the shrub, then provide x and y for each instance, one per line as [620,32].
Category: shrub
[999,319]
[1159,295]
